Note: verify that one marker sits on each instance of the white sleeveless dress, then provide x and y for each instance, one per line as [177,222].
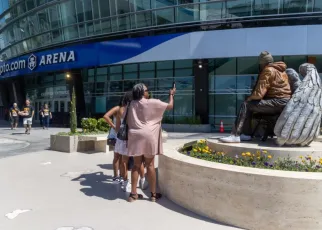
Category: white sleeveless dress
[121,146]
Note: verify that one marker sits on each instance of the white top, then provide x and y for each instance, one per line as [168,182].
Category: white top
[112,133]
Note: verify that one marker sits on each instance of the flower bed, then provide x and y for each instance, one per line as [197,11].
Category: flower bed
[260,159]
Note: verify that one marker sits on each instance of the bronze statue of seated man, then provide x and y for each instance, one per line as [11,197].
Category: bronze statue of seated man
[271,94]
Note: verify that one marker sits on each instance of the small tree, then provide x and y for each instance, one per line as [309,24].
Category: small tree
[73,116]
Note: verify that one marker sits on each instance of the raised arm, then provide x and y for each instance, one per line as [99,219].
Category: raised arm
[109,114]
[171,95]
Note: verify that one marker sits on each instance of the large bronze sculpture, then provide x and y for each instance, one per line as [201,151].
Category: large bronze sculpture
[271,94]
[296,124]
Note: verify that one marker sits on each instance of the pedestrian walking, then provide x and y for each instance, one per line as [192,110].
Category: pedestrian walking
[14,116]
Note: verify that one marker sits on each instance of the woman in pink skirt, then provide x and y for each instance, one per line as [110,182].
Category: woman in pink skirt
[145,135]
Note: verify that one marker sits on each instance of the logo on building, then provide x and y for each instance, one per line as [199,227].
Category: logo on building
[32,62]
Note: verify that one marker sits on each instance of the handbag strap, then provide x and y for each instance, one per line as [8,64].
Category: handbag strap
[125,117]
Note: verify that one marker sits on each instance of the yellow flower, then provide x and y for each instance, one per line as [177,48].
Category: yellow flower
[269,157]
[253,155]
[195,150]
[264,151]
[243,154]
[301,157]
[248,154]
[202,141]
[309,157]
[303,161]
[258,158]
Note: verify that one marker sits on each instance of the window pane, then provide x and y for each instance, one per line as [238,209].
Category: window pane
[294,62]
[164,84]
[80,11]
[21,8]
[101,71]
[43,20]
[115,86]
[224,66]
[68,13]
[90,29]
[137,5]
[247,65]
[96,9]
[162,3]
[299,6]
[184,83]
[54,17]
[82,32]
[211,11]
[97,27]
[150,84]
[71,33]
[164,73]
[100,104]
[165,65]
[30,4]
[183,64]
[124,23]
[131,75]
[122,6]
[143,19]
[131,68]
[116,69]
[241,8]
[165,16]
[105,8]
[128,85]
[188,13]
[317,6]
[147,74]
[57,36]
[147,66]
[183,72]
[106,26]
[265,7]
[183,105]
[88,10]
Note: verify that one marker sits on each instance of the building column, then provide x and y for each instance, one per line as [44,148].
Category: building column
[201,90]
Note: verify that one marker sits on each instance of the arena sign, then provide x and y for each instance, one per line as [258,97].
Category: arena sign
[32,62]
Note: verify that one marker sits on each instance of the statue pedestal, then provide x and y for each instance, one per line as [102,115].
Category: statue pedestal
[294,152]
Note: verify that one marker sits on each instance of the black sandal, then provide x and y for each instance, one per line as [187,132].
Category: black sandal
[155,196]
[134,197]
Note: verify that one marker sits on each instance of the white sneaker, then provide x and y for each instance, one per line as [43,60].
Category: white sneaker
[143,184]
[230,139]
[245,137]
[127,187]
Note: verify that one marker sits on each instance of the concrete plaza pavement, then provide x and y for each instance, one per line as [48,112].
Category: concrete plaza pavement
[43,189]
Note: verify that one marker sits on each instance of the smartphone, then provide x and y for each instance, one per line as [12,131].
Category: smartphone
[173,85]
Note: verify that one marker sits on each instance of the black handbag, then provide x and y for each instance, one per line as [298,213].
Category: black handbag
[123,132]
[111,142]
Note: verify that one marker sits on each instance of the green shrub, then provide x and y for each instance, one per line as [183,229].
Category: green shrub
[102,125]
[89,125]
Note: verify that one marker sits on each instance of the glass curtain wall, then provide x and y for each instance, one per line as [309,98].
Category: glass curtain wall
[38,26]
[103,87]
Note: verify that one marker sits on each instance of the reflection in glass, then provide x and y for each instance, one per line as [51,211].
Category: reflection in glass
[30,4]
[124,23]
[265,7]
[71,32]
[115,86]
[188,13]
[162,3]
[241,8]
[224,66]
[105,8]
[68,13]
[54,17]
[137,5]
[143,19]
[128,85]
[247,65]
[162,17]
[294,62]
[211,11]
[106,26]
[183,104]
[96,8]
[299,6]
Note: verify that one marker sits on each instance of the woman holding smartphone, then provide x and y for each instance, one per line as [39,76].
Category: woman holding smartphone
[145,135]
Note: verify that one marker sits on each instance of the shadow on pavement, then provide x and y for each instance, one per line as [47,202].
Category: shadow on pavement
[100,185]
[18,134]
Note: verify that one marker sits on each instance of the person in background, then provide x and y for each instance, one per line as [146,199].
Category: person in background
[27,113]
[14,116]
[41,119]
[46,116]
[145,135]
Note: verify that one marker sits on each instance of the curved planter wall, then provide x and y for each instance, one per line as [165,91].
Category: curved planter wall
[244,197]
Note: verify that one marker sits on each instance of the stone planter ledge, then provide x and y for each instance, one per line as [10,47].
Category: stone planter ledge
[248,198]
